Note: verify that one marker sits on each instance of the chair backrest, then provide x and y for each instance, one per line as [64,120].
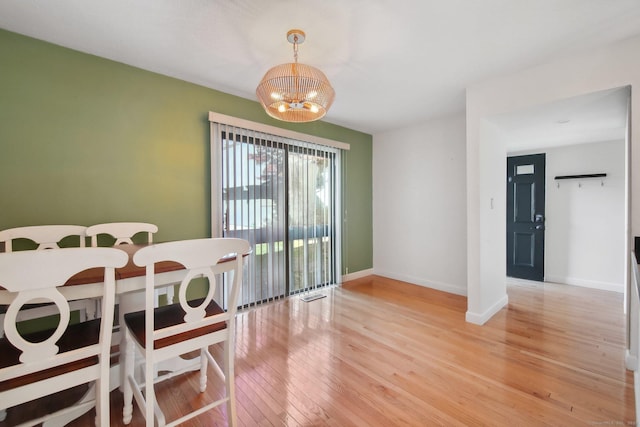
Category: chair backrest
[42,364]
[45,236]
[201,258]
[121,231]
[37,275]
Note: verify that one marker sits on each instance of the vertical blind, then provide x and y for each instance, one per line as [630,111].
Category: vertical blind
[282,195]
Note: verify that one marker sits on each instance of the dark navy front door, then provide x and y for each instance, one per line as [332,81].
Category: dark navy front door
[525,216]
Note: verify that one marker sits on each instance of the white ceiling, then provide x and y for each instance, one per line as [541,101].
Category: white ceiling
[391,62]
[594,117]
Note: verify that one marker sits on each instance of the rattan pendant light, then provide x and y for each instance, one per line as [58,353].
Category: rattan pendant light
[295,92]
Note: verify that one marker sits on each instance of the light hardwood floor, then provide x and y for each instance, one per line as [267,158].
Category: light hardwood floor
[378,352]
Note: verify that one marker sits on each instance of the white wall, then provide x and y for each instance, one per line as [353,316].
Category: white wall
[419,204]
[585,219]
[584,239]
[609,67]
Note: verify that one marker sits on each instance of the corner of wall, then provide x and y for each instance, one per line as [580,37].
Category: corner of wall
[426,283]
[482,318]
[357,275]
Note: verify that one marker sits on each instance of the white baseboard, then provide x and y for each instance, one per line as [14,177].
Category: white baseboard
[357,275]
[482,318]
[444,287]
[594,284]
[517,281]
[630,362]
[636,389]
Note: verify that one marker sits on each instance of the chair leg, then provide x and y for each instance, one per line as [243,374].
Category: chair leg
[129,367]
[170,294]
[203,369]
[229,376]
[156,297]
[102,402]
[150,393]
[94,308]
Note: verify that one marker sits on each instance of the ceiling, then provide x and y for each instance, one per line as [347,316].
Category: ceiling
[392,62]
[594,117]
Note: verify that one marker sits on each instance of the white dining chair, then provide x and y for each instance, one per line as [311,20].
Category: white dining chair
[123,233]
[161,333]
[44,236]
[47,237]
[43,363]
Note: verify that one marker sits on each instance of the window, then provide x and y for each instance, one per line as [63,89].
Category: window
[282,194]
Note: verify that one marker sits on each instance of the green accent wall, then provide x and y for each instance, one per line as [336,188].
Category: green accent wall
[85,140]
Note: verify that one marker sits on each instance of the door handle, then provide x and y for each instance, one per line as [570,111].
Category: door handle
[540,227]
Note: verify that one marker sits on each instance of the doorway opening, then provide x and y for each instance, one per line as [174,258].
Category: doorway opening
[585,219]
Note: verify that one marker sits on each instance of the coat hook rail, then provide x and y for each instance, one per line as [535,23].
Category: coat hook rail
[582,176]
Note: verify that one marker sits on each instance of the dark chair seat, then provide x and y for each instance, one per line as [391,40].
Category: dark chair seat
[76,336]
[172,315]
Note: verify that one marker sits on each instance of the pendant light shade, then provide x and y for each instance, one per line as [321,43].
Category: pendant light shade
[295,92]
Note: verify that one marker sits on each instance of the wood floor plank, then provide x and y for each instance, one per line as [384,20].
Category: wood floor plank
[379,352]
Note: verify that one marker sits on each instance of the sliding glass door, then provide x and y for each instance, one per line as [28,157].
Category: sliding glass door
[282,196]
[254,208]
[311,205]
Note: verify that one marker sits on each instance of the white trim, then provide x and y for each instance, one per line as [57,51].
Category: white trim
[285,133]
[631,363]
[517,281]
[636,389]
[215,180]
[337,211]
[357,275]
[593,284]
[481,318]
